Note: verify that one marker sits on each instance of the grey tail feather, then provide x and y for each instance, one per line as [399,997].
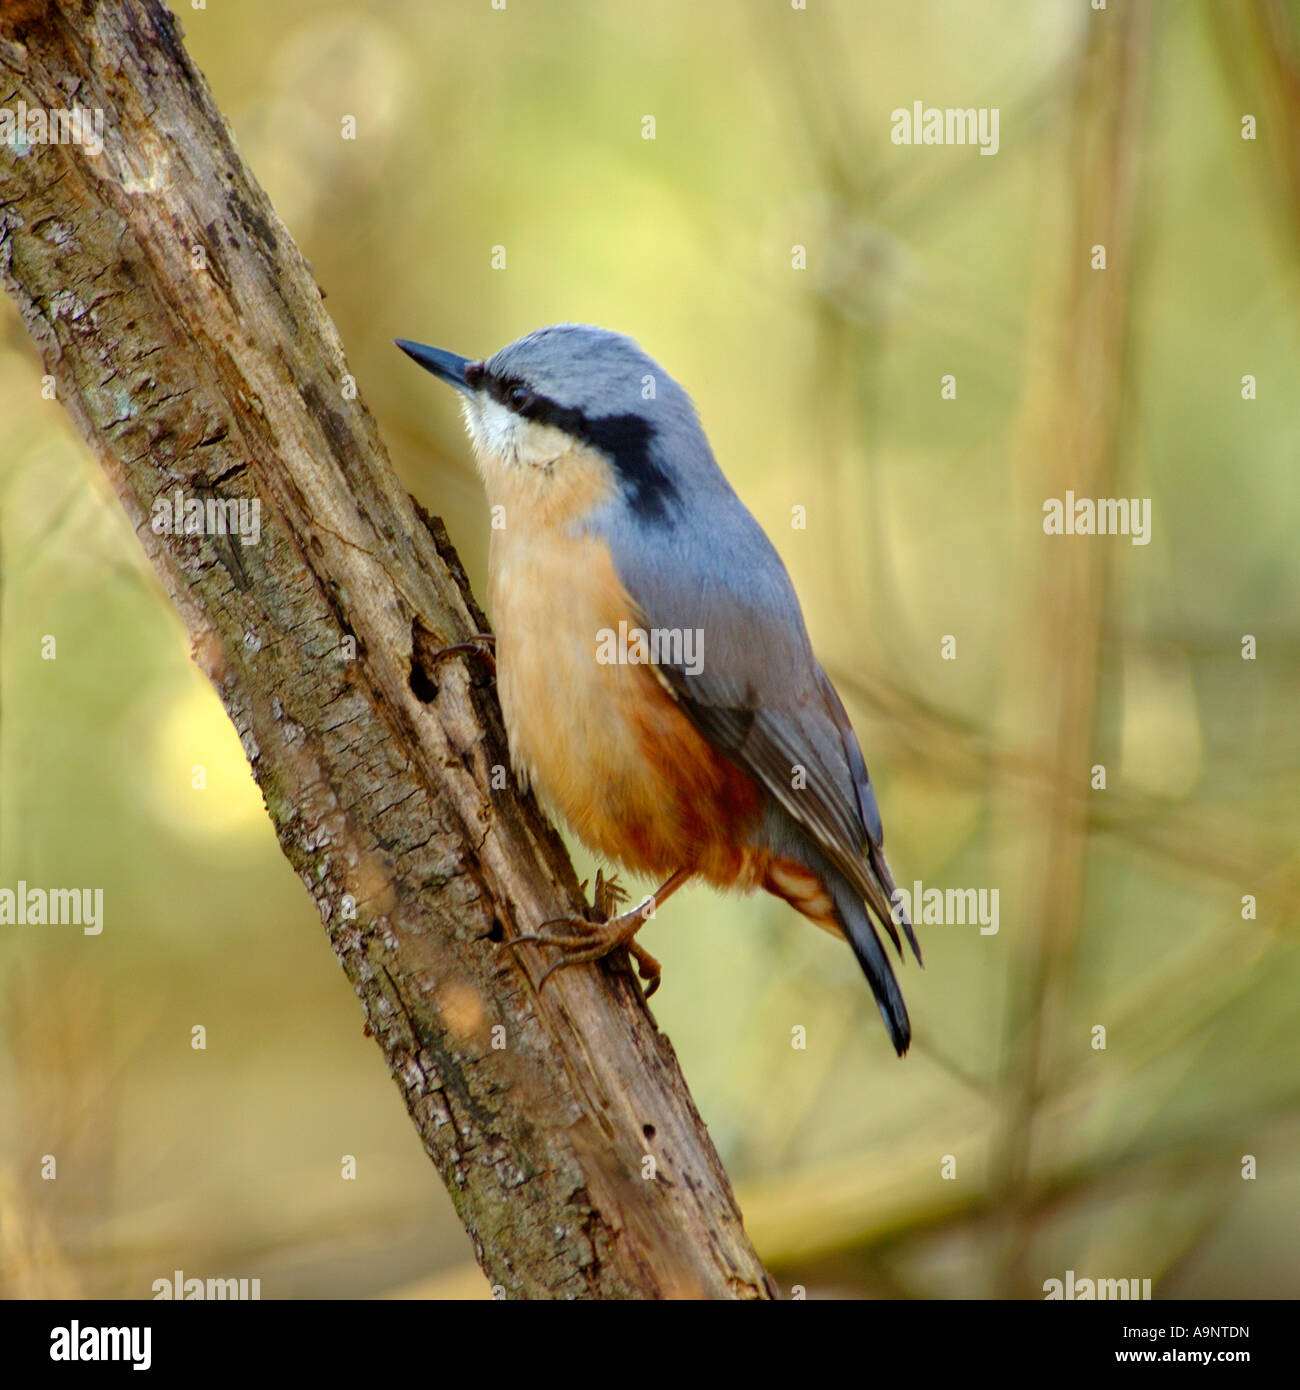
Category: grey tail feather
[873,960]
[881,866]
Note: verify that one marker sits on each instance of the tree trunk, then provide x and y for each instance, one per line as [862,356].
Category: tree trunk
[188,341]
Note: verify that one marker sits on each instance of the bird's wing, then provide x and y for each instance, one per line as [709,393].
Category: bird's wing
[759,695]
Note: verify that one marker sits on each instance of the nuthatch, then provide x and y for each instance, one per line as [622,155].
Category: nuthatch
[656,678]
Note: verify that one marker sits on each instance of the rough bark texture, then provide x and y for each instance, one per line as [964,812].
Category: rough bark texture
[188,340]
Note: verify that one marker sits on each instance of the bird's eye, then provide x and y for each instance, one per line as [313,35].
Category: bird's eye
[520,398]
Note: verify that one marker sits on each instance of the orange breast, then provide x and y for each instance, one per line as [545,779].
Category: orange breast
[605,745]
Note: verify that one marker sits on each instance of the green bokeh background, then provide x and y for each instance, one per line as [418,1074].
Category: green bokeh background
[820,389]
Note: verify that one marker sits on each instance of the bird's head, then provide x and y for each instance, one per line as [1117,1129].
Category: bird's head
[573,416]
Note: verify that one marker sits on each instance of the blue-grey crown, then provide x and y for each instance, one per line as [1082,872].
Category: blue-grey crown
[599,387]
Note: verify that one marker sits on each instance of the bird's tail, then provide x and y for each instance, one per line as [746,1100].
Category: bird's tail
[857,926]
[892,905]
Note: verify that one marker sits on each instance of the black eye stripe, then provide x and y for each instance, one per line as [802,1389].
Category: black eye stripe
[625,439]
[530,405]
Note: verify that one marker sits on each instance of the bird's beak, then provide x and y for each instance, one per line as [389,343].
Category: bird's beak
[446,365]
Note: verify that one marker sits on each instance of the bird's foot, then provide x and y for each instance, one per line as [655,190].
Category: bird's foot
[479,644]
[608,894]
[589,940]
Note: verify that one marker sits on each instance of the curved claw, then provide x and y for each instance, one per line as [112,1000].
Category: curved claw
[599,952]
[565,922]
[540,938]
[481,644]
[551,969]
[647,967]
[598,939]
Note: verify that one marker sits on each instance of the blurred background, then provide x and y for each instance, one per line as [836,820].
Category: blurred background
[989,668]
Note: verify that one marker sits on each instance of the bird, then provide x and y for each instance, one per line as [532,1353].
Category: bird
[655,674]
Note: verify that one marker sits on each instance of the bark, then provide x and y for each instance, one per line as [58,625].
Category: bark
[189,343]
